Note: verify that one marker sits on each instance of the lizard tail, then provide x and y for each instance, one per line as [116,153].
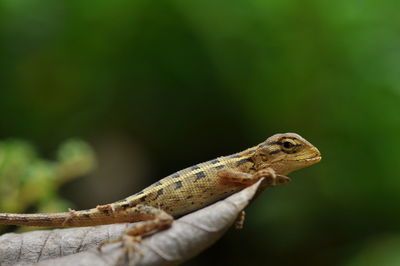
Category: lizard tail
[41,219]
[62,219]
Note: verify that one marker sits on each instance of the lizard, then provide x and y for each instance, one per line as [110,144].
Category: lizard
[155,207]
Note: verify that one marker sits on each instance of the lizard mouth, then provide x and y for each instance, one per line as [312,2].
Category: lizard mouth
[315,158]
[310,161]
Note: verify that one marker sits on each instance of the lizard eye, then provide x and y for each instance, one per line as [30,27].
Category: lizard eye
[289,146]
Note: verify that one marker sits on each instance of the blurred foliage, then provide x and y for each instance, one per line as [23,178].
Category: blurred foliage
[190,81]
[30,182]
[381,251]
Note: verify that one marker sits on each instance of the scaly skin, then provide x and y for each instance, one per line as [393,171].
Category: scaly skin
[190,189]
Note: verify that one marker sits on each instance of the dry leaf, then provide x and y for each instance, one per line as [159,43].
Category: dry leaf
[187,237]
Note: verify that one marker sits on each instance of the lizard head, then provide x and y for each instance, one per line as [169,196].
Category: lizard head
[285,153]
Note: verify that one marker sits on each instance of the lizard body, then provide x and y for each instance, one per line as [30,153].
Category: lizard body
[189,189]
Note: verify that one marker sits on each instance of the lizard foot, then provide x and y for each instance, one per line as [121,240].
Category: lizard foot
[240,220]
[282,180]
[269,175]
[273,179]
[158,220]
[71,214]
[108,207]
[131,252]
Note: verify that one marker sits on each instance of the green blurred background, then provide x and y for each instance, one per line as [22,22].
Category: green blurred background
[156,86]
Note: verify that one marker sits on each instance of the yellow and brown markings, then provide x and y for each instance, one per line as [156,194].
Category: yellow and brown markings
[188,189]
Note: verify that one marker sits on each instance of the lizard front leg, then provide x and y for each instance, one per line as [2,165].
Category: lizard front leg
[271,178]
[234,176]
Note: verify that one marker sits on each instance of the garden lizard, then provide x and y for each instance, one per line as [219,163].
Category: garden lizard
[190,189]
